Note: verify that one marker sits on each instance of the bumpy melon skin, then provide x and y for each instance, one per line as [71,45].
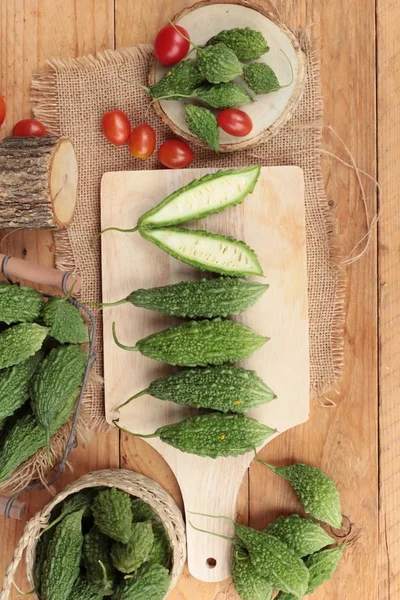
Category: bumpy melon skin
[202,343]
[112,513]
[218,63]
[246,43]
[182,78]
[65,322]
[151,583]
[203,124]
[96,555]
[223,95]
[14,384]
[260,78]
[148,219]
[253,266]
[301,534]
[322,566]
[207,298]
[249,584]
[19,304]
[127,558]
[19,342]
[83,591]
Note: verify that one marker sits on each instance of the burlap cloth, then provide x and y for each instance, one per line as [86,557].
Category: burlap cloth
[70,97]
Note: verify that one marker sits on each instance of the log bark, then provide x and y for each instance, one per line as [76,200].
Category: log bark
[38,182]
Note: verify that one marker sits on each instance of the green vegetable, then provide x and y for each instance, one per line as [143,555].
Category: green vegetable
[202,197]
[322,566]
[203,124]
[61,567]
[315,490]
[274,560]
[151,583]
[249,584]
[218,63]
[161,549]
[26,437]
[19,342]
[213,434]
[182,78]
[65,321]
[14,384]
[246,43]
[19,304]
[224,388]
[142,511]
[206,251]
[128,557]
[261,79]
[100,571]
[80,500]
[207,298]
[199,343]
[112,513]
[40,556]
[58,376]
[302,535]
[82,590]
[222,95]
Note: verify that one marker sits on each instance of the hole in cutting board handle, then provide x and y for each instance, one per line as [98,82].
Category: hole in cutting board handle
[211,563]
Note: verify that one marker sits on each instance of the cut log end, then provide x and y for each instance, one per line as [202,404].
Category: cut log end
[38,182]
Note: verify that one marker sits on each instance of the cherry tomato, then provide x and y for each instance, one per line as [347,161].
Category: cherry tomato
[175,154]
[116,127]
[2,110]
[235,122]
[142,141]
[29,128]
[169,46]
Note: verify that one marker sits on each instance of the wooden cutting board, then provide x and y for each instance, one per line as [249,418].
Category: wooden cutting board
[272,221]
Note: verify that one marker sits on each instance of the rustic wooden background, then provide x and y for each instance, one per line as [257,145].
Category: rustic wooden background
[358,442]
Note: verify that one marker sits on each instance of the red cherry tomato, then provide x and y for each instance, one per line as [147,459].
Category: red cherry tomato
[142,141]
[175,154]
[29,128]
[169,46]
[116,127]
[235,122]
[2,110]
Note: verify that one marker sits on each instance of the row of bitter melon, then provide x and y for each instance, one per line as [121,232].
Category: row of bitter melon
[41,370]
[100,543]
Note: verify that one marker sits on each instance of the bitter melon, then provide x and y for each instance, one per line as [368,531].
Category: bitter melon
[322,566]
[302,535]
[58,376]
[112,513]
[223,95]
[182,78]
[127,558]
[249,584]
[274,560]
[207,298]
[223,388]
[142,511]
[63,557]
[19,342]
[40,556]
[199,343]
[14,384]
[82,590]
[100,572]
[151,583]
[212,434]
[206,251]
[65,321]
[203,124]
[218,63]
[80,500]
[19,304]
[202,197]
[26,437]
[161,549]
[246,43]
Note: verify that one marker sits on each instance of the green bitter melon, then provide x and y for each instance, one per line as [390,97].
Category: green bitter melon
[161,550]
[199,343]
[82,590]
[65,321]
[14,384]
[19,304]
[80,500]
[246,43]
[212,434]
[112,513]
[249,584]
[19,342]
[224,388]
[301,534]
[151,583]
[142,511]
[202,123]
[100,572]
[127,558]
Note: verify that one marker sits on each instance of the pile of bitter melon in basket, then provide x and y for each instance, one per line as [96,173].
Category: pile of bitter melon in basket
[42,365]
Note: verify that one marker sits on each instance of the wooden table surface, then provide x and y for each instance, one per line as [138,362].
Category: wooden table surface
[358,442]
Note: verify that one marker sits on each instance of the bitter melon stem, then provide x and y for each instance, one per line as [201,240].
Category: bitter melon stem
[224,537]
[116,340]
[94,242]
[142,393]
[141,435]
[258,459]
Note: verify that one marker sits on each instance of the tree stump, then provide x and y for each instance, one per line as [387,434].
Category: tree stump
[38,182]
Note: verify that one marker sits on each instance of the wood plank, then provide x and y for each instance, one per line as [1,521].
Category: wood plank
[30,32]
[349,432]
[388,15]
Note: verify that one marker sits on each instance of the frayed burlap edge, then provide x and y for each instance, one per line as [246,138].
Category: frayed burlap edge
[45,99]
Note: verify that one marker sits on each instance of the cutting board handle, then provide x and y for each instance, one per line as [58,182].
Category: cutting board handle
[18,268]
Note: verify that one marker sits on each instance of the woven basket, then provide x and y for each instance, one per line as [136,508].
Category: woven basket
[128,481]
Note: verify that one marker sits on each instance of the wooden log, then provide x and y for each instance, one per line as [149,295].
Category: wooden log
[38,182]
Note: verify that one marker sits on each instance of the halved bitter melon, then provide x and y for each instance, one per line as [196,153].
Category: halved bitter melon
[206,251]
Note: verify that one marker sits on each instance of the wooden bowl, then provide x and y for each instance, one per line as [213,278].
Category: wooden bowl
[270,111]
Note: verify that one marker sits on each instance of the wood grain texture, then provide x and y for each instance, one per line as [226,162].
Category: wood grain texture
[30,32]
[343,441]
[388,15]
